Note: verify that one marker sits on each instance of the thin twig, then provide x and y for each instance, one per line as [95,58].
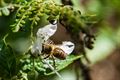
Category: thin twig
[51,67]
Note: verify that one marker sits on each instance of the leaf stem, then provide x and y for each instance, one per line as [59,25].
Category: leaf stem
[51,67]
[4,39]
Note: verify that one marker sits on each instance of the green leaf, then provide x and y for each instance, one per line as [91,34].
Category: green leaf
[36,23]
[64,63]
[37,19]
[0,13]
[7,61]
[5,11]
[22,21]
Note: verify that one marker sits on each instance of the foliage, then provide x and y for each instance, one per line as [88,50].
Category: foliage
[19,19]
